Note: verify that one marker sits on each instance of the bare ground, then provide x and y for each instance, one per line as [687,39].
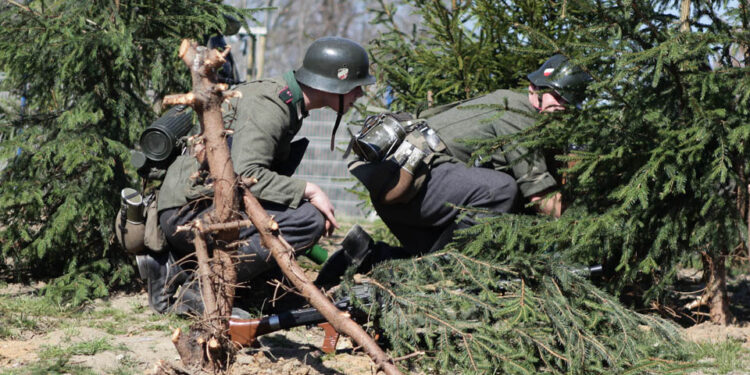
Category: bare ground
[293,352]
[141,344]
[146,340]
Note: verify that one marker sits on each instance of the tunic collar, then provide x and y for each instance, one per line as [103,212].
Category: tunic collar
[297,98]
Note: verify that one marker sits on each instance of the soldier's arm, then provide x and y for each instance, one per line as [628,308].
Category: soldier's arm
[259,129]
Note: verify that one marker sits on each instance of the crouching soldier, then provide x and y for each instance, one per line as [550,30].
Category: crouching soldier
[264,121]
[416,169]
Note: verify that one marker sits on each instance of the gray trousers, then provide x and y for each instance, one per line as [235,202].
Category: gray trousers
[426,223]
[301,227]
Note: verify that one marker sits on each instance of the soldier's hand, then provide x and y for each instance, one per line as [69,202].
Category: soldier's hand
[320,200]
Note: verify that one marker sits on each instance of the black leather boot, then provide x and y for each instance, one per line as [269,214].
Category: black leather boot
[188,299]
[355,248]
[162,278]
[255,260]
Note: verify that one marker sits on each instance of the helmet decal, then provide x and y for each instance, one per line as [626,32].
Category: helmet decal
[548,71]
[342,73]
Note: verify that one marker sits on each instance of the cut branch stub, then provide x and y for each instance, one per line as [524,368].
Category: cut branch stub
[184,99]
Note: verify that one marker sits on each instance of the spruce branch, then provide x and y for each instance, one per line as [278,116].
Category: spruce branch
[24,7]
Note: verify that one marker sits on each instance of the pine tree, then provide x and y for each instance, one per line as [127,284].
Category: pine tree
[92,73]
[663,178]
[662,174]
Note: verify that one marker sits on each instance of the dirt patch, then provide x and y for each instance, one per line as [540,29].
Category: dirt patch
[293,352]
[14,353]
[712,333]
[146,339]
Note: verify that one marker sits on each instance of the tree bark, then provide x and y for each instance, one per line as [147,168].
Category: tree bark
[715,272]
[685,16]
[208,345]
[260,58]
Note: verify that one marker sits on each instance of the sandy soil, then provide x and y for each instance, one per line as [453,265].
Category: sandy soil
[293,352]
[708,332]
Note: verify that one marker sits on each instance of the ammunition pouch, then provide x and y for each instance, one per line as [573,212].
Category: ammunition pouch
[154,237]
[296,152]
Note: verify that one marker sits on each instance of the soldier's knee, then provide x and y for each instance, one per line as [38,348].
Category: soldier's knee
[504,190]
[512,186]
[311,221]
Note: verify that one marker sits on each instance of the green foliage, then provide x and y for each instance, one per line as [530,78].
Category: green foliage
[662,176]
[89,348]
[172,321]
[51,366]
[665,155]
[92,73]
[57,359]
[25,313]
[468,316]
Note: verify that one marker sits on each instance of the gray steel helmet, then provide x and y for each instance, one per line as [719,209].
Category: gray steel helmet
[568,80]
[335,65]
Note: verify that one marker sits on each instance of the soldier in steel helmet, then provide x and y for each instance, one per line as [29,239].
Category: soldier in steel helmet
[556,85]
[416,200]
[264,121]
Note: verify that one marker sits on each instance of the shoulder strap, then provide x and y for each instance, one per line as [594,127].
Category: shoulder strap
[286,96]
[429,112]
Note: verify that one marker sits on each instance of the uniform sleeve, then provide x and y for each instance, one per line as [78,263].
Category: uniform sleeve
[261,125]
[529,168]
[530,171]
[177,183]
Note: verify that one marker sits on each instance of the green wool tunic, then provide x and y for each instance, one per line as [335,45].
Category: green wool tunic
[264,125]
[485,118]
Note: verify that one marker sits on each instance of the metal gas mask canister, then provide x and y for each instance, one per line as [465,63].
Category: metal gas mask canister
[380,135]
